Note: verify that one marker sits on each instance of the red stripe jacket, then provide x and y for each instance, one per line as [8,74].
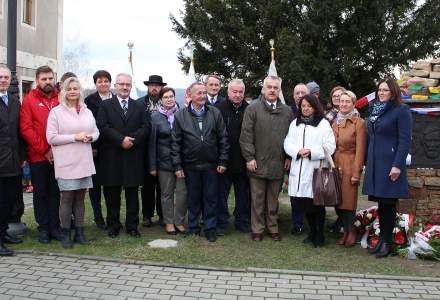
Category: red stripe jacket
[33,122]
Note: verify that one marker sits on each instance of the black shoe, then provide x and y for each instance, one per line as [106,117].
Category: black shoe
[8,239]
[307,240]
[55,234]
[43,237]
[100,223]
[134,233]
[375,249]
[4,251]
[221,231]
[113,233]
[243,229]
[297,229]
[384,250]
[211,235]
[65,240]
[80,237]
[146,222]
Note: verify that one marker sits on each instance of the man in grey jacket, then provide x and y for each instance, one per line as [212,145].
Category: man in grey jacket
[265,125]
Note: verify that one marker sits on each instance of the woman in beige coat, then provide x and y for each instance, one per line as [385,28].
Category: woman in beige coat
[351,139]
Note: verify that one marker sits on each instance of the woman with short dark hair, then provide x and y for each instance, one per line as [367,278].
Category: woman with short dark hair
[389,140]
[309,138]
[173,189]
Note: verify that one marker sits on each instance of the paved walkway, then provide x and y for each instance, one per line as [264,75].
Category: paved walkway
[28,276]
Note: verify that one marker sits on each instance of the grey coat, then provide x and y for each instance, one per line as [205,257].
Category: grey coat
[262,136]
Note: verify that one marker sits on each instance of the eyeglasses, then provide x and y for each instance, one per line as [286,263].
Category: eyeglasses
[168,97]
[123,84]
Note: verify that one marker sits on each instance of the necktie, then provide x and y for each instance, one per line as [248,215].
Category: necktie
[124,106]
[273,106]
[5,99]
[212,100]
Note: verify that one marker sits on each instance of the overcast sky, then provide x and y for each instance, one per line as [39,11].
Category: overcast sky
[106,26]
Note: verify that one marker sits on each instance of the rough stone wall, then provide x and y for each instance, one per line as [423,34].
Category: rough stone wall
[424,190]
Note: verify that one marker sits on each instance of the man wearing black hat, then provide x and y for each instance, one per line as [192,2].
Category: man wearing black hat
[150,190]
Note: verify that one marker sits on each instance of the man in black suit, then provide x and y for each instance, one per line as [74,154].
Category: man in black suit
[102,80]
[213,85]
[124,127]
[11,158]
[151,189]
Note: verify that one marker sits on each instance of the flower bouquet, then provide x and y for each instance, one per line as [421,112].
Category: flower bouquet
[425,243]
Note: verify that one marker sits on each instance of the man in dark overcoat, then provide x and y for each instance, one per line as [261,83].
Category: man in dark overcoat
[124,127]
[11,158]
[232,110]
[150,192]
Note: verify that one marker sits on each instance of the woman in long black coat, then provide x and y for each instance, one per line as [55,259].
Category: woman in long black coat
[389,139]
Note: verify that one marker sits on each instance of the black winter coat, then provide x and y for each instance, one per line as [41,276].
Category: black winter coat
[159,152]
[119,167]
[233,119]
[12,149]
[197,149]
[93,102]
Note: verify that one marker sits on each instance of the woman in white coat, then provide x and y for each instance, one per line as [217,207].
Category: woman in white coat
[308,135]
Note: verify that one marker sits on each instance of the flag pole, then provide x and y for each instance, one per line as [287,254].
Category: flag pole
[272,49]
[130,46]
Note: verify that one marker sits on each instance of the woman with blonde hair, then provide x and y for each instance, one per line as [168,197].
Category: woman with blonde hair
[70,130]
[351,141]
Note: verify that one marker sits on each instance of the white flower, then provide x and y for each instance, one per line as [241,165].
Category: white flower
[357,223]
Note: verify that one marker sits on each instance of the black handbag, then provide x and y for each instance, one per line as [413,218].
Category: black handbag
[326,184]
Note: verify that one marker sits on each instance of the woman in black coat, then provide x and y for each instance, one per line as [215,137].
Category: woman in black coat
[389,139]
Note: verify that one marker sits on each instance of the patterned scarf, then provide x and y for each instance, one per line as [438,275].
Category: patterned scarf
[341,118]
[378,109]
[168,113]
[307,120]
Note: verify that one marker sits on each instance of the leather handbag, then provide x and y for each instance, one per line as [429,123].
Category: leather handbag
[326,184]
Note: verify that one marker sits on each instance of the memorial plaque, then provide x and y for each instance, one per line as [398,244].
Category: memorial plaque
[425,148]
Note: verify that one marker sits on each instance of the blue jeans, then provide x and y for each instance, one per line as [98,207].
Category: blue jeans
[242,201]
[297,215]
[202,189]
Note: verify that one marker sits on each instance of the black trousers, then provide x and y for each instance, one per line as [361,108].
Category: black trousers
[46,196]
[150,194]
[112,195]
[387,217]
[10,191]
[95,195]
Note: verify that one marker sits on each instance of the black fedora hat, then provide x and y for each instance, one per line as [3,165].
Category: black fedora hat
[156,79]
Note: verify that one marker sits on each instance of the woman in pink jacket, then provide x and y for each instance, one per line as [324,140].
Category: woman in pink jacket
[70,130]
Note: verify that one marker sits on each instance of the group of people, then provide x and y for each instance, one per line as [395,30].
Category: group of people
[187,158]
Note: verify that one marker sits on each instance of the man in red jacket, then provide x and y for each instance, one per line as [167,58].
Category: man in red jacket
[33,121]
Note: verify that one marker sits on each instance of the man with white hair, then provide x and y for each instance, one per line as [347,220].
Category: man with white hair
[124,126]
[232,111]
[199,152]
[265,125]
[12,157]
[299,91]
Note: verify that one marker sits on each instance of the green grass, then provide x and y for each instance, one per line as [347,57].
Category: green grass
[235,250]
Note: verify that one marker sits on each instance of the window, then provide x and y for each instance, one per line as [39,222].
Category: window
[29,12]
[26,87]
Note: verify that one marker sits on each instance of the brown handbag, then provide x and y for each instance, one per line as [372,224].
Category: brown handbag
[326,184]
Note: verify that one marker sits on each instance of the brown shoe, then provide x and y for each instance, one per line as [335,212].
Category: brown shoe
[343,239]
[275,236]
[257,237]
[351,239]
